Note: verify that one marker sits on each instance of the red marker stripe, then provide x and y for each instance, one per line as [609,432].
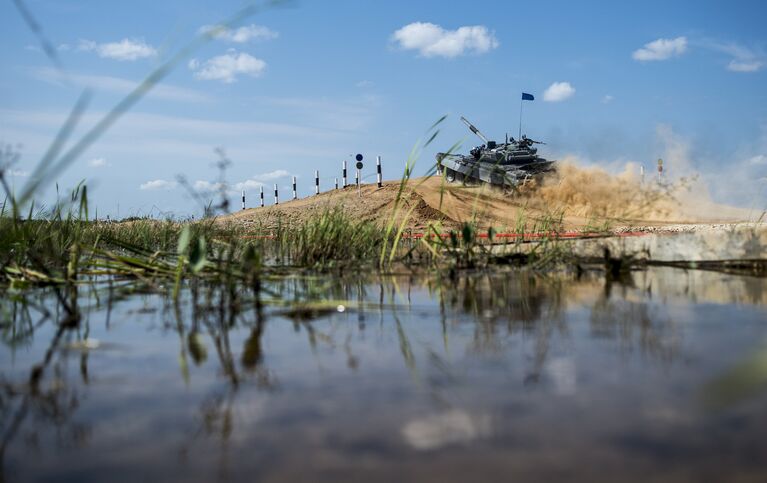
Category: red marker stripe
[484,235]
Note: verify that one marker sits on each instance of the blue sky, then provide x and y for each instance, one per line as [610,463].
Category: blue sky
[302,87]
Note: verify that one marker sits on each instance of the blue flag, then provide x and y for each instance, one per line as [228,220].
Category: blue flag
[527,97]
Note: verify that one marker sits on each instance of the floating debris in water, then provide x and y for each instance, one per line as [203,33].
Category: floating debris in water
[83,345]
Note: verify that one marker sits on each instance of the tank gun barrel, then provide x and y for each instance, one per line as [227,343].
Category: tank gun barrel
[474,130]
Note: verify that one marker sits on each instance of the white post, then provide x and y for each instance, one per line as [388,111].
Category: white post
[262,196]
[641,174]
[344,173]
[357,180]
[316,182]
[378,170]
[336,183]
[243,199]
[276,195]
[295,195]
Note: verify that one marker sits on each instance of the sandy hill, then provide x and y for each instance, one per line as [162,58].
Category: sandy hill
[582,197]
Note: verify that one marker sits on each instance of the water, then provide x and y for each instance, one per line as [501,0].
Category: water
[661,376]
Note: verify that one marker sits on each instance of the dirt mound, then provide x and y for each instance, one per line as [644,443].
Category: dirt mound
[371,204]
[579,197]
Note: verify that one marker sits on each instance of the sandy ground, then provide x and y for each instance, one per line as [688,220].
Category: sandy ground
[583,198]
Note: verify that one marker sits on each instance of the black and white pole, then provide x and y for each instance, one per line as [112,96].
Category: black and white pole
[262,196]
[276,195]
[378,171]
[243,199]
[343,175]
[316,182]
[295,195]
[358,178]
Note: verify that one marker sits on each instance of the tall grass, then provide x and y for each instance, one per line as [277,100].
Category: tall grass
[334,238]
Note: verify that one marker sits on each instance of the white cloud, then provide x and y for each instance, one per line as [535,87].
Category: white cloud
[227,67]
[255,182]
[272,175]
[248,185]
[126,49]
[118,85]
[743,58]
[607,99]
[158,184]
[261,179]
[98,163]
[431,40]
[759,159]
[239,35]
[661,49]
[207,186]
[558,91]
[745,66]
[17,173]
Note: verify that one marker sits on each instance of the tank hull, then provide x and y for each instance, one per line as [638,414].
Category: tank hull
[506,174]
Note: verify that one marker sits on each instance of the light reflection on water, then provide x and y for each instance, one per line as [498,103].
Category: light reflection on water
[484,376]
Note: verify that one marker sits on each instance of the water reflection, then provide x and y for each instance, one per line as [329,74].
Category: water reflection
[314,377]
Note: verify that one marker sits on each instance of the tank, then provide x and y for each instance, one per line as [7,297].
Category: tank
[506,165]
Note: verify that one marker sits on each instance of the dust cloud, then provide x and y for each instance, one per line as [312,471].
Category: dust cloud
[594,193]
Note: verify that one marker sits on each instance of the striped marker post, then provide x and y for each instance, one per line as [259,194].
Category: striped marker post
[276,196]
[344,173]
[316,182]
[336,183]
[262,196]
[295,195]
[243,199]
[660,169]
[378,171]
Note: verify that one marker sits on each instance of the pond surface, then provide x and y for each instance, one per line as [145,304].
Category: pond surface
[481,377]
